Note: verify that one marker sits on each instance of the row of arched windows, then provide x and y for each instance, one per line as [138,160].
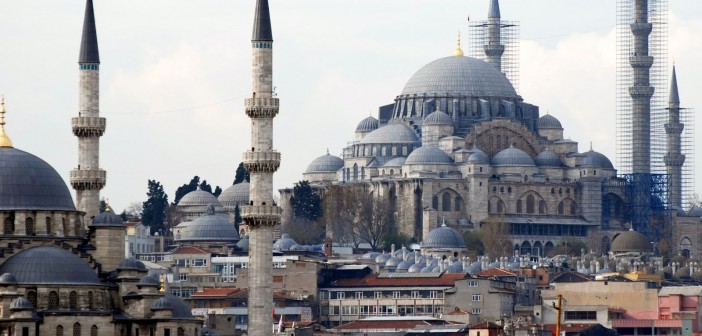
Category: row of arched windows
[54,300]
[449,202]
[531,205]
[565,207]
[76,330]
[30,225]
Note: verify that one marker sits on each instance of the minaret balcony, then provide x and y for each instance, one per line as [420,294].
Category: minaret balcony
[674,128]
[641,61]
[641,91]
[494,49]
[674,160]
[88,179]
[88,126]
[261,215]
[261,162]
[262,107]
[641,28]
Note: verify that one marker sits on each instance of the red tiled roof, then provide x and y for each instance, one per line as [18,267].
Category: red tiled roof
[190,250]
[495,272]
[372,280]
[370,325]
[486,325]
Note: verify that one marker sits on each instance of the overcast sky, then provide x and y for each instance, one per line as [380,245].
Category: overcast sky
[174,74]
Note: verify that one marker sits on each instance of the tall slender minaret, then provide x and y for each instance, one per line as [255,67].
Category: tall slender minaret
[642,91]
[494,47]
[261,214]
[674,159]
[87,179]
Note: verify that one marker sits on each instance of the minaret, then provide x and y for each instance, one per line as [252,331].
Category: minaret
[87,179]
[674,159]
[261,214]
[494,47]
[641,91]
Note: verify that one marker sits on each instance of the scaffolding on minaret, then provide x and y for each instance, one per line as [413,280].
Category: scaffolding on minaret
[687,147]
[509,37]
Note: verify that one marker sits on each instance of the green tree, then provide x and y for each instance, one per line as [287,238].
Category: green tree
[123,215]
[397,238]
[472,239]
[241,174]
[205,186]
[217,191]
[305,202]
[186,188]
[154,209]
[237,215]
[103,205]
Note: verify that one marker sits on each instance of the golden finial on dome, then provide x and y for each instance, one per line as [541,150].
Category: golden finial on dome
[107,205]
[459,51]
[4,139]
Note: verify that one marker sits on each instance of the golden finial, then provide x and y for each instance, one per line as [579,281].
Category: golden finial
[459,51]
[4,139]
[107,205]
[162,281]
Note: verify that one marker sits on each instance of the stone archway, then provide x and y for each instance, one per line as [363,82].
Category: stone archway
[496,135]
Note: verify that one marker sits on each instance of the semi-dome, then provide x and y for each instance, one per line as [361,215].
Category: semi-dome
[478,156]
[235,194]
[464,76]
[396,162]
[444,237]
[21,303]
[549,122]
[7,279]
[631,241]
[48,264]
[548,158]
[107,218]
[162,304]
[209,227]
[513,157]
[243,244]
[131,264]
[392,133]
[437,118]
[325,164]
[150,281]
[29,183]
[596,160]
[198,197]
[285,243]
[367,125]
[428,155]
[696,211]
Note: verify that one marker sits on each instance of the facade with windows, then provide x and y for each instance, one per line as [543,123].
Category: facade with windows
[138,240]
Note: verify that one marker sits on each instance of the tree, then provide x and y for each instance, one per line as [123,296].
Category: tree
[217,191]
[237,214]
[472,239]
[495,236]
[133,211]
[374,220]
[154,209]
[241,174]
[103,205]
[570,247]
[396,238]
[305,202]
[186,188]
[124,216]
[304,231]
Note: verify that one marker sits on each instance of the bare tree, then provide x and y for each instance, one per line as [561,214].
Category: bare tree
[304,231]
[495,236]
[374,220]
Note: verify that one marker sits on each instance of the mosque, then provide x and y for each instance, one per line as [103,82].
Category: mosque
[460,147]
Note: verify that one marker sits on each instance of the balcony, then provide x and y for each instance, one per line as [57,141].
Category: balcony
[262,107]
[88,126]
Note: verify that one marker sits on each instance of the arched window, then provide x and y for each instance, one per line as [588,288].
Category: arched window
[392,171]
[573,208]
[76,329]
[355,171]
[561,208]
[32,297]
[489,207]
[53,300]
[500,207]
[519,206]
[93,330]
[29,226]
[530,204]
[394,151]
[509,190]
[59,330]
[9,226]
[435,203]
[65,226]
[458,204]
[404,150]
[542,207]
[49,229]
[446,202]
[181,332]
[91,300]
[383,151]
[73,300]
[502,189]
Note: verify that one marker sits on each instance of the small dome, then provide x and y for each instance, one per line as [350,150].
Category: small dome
[162,304]
[107,218]
[456,267]
[404,265]
[235,194]
[150,281]
[21,303]
[243,244]
[7,279]
[512,157]
[392,133]
[381,259]
[437,118]
[198,197]
[393,262]
[631,241]
[370,255]
[209,227]
[47,264]
[549,122]
[415,268]
[396,162]
[325,164]
[548,158]
[696,211]
[131,264]
[682,273]
[367,125]
[444,237]
[478,156]
[285,243]
[596,160]
[679,259]
[428,155]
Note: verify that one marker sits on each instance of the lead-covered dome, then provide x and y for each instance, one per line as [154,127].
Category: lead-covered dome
[29,183]
[237,194]
[437,118]
[48,264]
[396,162]
[107,218]
[478,156]
[549,122]
[325,164]
[444,237]
[548,158]
[464,76]
[512,157]
[596,160]
[631,241]
[209,227]
[367,125]
[198,197]
[392,133]
[428,155]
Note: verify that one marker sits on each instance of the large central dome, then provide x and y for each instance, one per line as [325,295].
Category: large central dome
[461,75]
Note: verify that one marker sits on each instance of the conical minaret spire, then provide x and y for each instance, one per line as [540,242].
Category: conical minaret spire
[674,159]
[87,178]
[494,47]
[261,214]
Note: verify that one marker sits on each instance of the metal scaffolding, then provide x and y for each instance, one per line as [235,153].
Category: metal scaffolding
[658,78]
[509,36]
[649,211]
[687,147]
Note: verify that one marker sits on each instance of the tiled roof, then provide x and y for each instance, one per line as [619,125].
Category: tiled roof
[190,250]
[571,277]
[374,281]
[495,272]
[486,325]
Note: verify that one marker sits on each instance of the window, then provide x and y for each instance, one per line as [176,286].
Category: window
[32,297]
[73,300]
[446,202]
[581,315]
[182,262]
[183,276]
[473,283]
[433,294]
[435,203]
[29,226]
[200,262]
[519,206]
[53,300]
[48,226]
[59,330]
[530,204]
[458,204]
[90,300]
[340,295]
[166,332]
[76,329]
[94,331]
[477,297]
[359,295]
[477,311]
[415,294]
[542,207]
[9,226]
[396,294]
[180,332]
[378,295]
